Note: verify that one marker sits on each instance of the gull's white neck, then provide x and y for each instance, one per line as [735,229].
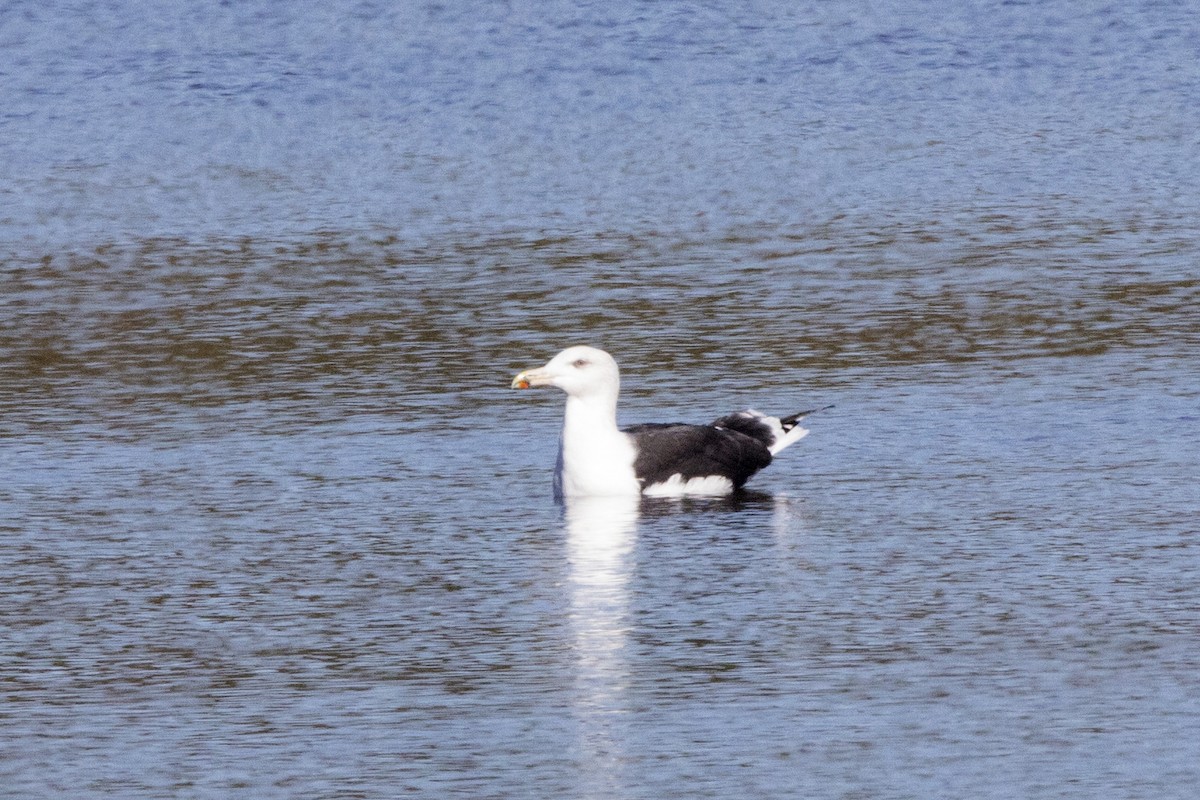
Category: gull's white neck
[594,457]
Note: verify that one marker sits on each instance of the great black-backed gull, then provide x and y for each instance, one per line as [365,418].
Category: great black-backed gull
[595,457]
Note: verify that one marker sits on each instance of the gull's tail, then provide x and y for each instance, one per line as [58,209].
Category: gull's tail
[775,433]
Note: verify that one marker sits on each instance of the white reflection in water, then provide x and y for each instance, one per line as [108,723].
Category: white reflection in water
[600,537]
[787,521]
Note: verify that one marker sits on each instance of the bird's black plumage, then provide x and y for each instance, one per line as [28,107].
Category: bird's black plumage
[697,451]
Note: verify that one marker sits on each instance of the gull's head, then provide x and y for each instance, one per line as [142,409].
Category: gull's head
[578,371]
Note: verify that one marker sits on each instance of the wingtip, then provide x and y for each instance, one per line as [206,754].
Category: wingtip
[793,419]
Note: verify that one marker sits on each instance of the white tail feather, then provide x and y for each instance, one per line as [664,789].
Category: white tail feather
[791,437]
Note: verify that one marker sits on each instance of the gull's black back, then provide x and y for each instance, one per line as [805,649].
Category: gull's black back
[695,451]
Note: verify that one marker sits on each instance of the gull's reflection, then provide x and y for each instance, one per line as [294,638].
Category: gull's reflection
[601,533]
[600,537]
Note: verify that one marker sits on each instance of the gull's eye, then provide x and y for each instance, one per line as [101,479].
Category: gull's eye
[579,363]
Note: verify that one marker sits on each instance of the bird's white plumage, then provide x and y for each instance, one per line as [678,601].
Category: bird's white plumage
[676,486]
[594,456]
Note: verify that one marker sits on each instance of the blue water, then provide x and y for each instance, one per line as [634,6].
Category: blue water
[255,119]
[272,524]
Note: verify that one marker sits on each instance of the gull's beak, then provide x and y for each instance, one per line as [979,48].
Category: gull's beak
[532,378]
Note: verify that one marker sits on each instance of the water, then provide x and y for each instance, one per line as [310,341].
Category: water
[271,522]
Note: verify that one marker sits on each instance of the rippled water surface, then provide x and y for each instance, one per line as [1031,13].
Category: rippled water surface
[272,524]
